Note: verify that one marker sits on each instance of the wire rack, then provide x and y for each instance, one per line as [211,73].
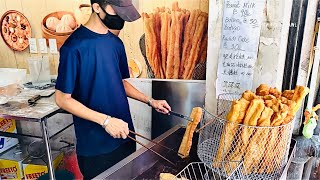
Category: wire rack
[200,170]
[263,150]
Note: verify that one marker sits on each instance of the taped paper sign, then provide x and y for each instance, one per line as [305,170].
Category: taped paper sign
[239,45]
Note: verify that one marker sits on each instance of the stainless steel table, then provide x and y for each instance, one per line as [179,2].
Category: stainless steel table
[18,109]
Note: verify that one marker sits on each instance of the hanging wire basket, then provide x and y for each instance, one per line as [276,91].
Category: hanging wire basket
[200,170]
[263,150]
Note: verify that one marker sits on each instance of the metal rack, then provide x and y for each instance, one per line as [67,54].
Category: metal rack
[200,170]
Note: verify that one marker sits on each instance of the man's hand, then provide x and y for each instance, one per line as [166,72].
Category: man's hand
[117,128]
[161,106]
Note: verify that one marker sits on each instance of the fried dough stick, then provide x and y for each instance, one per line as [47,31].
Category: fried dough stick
[235,117]
[164,32]
[195,48]
[203,48]
[228,132]
[195,58]
[258,141]
[177,43]
[148,39]
[187,40]
[251,119]
[157,30]
[186,143]
[170,58]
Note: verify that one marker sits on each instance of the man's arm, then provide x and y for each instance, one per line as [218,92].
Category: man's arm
[160,105]
[116,127]
[66,102]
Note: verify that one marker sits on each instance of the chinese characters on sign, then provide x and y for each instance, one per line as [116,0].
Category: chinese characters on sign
[239,45]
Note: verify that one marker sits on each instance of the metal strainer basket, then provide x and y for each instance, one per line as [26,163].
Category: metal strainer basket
[263,150]
[200,170]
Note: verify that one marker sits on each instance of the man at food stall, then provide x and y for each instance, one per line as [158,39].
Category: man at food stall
[91,85]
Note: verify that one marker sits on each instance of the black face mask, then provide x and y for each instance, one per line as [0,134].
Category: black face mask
[112,21]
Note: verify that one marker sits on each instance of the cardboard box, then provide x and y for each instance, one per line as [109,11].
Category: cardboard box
[7,125]
[34,168]
[11,163]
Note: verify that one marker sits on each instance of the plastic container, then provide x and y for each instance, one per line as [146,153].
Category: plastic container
[11,76]
[39,68]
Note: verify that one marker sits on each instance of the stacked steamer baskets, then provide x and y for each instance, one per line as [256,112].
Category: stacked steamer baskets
[254,129]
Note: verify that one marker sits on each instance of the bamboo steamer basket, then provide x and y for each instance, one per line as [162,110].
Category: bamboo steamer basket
[61,37]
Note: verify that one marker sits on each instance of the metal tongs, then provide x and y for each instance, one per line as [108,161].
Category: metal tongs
[180,116]
[170,149]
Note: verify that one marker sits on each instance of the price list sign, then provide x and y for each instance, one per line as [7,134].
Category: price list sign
[239,45]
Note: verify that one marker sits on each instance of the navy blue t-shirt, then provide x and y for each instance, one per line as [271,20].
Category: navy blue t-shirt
[92,67]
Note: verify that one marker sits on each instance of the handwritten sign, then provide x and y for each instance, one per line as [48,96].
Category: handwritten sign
[239,45]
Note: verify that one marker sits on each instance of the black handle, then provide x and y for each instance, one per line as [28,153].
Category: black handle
[34,99]
[181,116]
[176,114]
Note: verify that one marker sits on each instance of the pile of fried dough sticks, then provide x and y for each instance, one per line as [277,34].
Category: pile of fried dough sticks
[176,41]
[262,142]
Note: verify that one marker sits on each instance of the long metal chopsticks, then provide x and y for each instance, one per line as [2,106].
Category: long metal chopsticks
[151,150]
[170,149]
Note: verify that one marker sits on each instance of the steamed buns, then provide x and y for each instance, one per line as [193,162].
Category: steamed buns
[62,27]
[69,20]
[67,23]
[52,23]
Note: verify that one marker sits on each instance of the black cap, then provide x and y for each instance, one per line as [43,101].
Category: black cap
[123,8]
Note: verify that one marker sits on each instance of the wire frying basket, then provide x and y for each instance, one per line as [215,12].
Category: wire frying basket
[200,170]
[263,150]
